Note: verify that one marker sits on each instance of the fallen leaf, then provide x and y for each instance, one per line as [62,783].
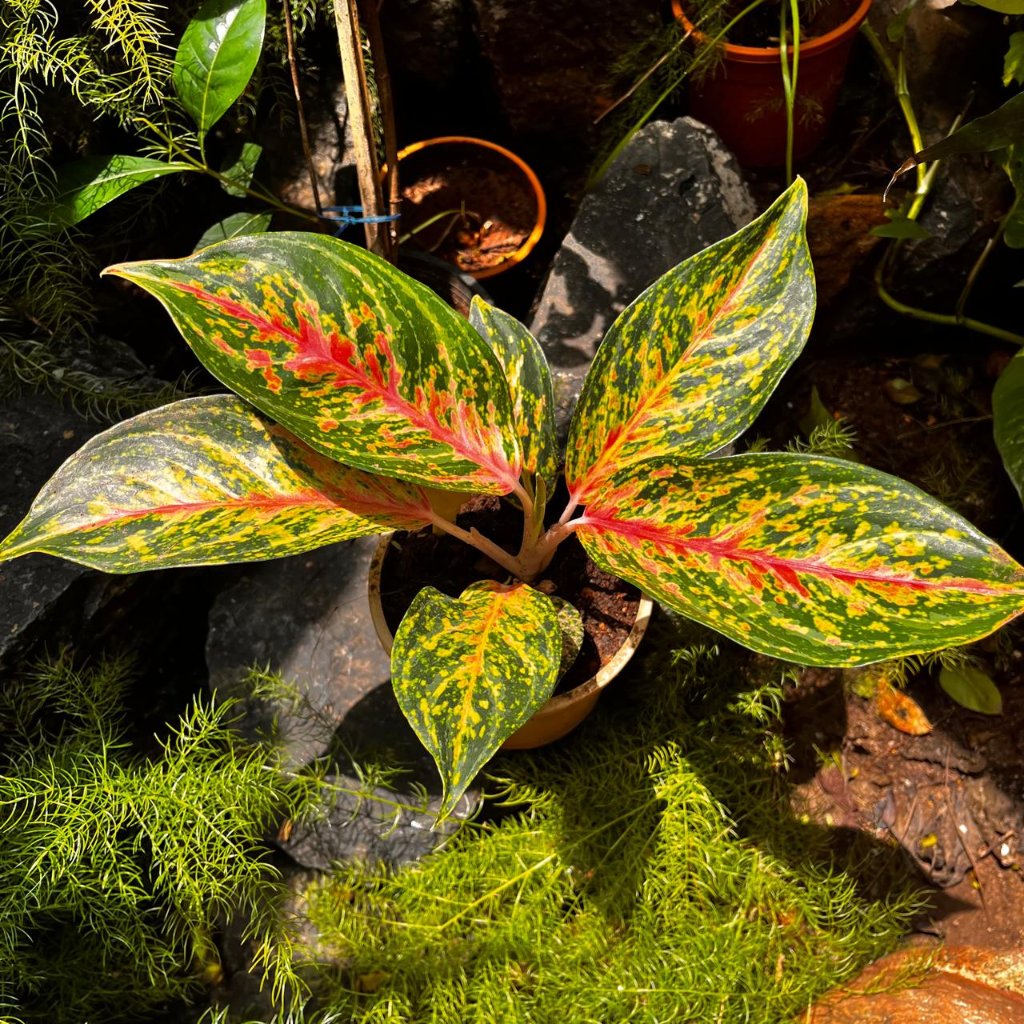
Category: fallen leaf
[900,711]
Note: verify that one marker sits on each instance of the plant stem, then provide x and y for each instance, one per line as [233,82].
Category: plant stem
[789,78]
[949,319]
[979,263]
[477,540]
[293,66]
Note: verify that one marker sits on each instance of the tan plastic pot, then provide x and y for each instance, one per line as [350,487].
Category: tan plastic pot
[563,712]
[477,162]
[744,101]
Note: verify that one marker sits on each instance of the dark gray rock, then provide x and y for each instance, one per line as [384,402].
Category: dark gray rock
[44,598]
[551,60]
[307,620]
[673,191]
[426,40]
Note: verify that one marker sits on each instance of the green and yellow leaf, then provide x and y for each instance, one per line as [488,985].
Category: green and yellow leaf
[469,672]
[688,366]
[529,380]
[806,558]
[204,481]
[364,364]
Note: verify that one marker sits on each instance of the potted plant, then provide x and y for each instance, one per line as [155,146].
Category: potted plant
[744,95]
[470,202]
[366,402]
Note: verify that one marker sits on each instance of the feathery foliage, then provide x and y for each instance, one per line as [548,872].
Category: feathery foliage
[648,875]
[116,869]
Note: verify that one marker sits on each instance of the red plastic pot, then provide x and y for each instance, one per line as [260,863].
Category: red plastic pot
[743,98]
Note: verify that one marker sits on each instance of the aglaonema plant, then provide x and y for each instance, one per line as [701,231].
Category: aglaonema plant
[363,399]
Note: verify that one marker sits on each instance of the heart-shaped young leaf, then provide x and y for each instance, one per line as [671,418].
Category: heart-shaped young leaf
[469,672]
[366,365]
[218,53]
[811,559]
[529,380]
[688,366]
[204,481]
[86,185]
[972,688]
[1008,419]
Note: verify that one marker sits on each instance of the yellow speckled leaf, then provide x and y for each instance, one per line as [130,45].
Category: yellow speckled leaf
[688,366]
[203,481]
[364,364]
[806,558]
[469,672]
[529,380]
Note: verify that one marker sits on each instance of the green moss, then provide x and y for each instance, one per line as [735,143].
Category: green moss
[647,870]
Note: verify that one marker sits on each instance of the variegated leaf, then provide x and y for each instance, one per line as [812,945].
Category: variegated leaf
[811,559]
[366,365]
[469,672]
[529,380]
[688,366]
[204,481]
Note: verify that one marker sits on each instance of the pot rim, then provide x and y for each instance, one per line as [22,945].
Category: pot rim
[765,54]
[540,199]
[555,704]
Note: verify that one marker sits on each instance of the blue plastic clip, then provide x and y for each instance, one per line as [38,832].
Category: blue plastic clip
[346,216]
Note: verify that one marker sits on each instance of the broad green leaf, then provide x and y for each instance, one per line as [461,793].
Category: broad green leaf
[806,558]
[900,226]
[1008,419]
[1013,229]
[1002,6]
[972,689]
[366,365]
[1002,128]
[529,379]
[1013,63]
[233,226]
[204,481]
[218,53]
[86,185]
[688,366]
[239,171]
[469,672]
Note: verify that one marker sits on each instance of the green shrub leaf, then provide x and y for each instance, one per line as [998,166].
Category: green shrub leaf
[233,226]
[807,558]
[204,481]
[689,365]
[972,689]
[239,171]
[1008,419]
[469,672]
[366,365]
[1013,62]
[1002,128]
[218,53]
[86,185]
[1002,6]
[529,380]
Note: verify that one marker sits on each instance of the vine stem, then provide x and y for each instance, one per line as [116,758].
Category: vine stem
[293,66]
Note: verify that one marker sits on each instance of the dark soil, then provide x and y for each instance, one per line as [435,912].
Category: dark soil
[607,604]
[761,26]
[952,799]
[484,212]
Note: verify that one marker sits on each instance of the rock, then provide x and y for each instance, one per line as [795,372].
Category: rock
[551,60]
[307,620]
[426,41]
[330,141]
[41,597]
[956,985]
[673,191]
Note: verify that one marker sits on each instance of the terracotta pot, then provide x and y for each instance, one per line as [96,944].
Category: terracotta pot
[504,202]
[563,712]
[743,98]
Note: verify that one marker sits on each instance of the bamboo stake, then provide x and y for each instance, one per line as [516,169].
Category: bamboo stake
[360,109]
